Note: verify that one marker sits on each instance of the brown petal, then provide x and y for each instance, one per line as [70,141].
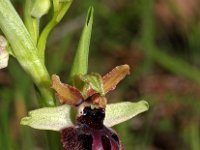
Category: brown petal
[66,93]
[111,79]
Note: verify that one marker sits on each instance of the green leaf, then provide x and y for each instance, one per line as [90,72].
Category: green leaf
[120,112]
[80,64]
[49,118]
[4,53]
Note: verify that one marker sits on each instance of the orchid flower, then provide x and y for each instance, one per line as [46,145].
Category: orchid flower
[91,128]
[94,116]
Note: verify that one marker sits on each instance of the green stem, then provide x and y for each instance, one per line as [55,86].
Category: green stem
[31,23]
[24,49]
[43,37]
[60,8]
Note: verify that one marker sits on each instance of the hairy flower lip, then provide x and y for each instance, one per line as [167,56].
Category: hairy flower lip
[91,130]
[77,137]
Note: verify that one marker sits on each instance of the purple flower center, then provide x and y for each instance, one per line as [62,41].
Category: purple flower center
[93,118]
[90,133]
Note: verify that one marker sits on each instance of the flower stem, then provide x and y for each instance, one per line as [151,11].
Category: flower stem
[60,8]
[25,50]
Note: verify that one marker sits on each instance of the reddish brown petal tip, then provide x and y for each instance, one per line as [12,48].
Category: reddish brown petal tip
[111,79]
[66,93]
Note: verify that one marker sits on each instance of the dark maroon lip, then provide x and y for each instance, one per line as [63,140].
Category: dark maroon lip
[85,138]
[90,133]
[92,118]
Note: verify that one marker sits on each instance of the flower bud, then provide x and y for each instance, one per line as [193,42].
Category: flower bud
[4,54]
[40,8]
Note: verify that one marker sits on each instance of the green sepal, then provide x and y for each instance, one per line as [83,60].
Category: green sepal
[89,81]
[95,81]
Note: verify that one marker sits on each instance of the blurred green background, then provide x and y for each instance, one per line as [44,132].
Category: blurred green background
[159,39]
